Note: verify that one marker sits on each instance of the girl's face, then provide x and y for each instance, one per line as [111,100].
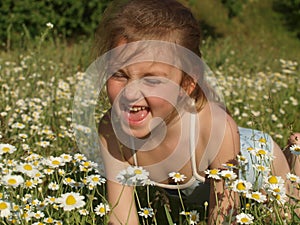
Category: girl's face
[142,92]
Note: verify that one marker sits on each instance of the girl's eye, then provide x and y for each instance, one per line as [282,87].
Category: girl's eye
[119,76]
[152,81]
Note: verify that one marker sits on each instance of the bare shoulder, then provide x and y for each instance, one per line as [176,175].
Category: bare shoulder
[221,133]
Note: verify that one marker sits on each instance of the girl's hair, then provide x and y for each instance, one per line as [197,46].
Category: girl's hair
[164,20]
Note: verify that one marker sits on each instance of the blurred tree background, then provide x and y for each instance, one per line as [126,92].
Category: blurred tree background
[272,26]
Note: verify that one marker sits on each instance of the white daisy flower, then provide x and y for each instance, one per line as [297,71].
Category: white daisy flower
[27,168]
[83,212]
[295,149]
[53,186]
[257,196]
[70,201]
[29,184]
[213,173]
[5,209]
[54,162]
[133,175]
[43,144]
[68,181]
[146,212]
[95,179]
[273,180]
[228,174]
[66,157]
[12,180]
[293,178]
[177,177]
[244,218]
[241,186]
[261,168]
[7,148]
[18,125]
[102,209]
[242,160]
[194,217]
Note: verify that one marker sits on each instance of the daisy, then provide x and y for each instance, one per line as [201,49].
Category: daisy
[137,173]
[79,157]
[66,157]
[12,180]
[213,173]
[261,168]
[242,160]
[273,180]
[146,212]
[95,180]
[70,201]
[102,209]
[228,174]
[43,144]
[53,186]
[177,177]
[18,125]
[293,178]
[241,186]
[29,184]
[194,217]
[68,181]
[257,196]
[4,209]
[54,162]
[244,218]
[83,212]
[27,168]
[7,148]
[295,149]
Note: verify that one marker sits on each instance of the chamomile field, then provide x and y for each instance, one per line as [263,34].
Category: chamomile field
[46,179]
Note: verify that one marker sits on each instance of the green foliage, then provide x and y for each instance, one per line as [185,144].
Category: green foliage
[21,20]
[290,10]
[234,7]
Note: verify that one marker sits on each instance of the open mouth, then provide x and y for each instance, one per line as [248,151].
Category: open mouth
[136,113]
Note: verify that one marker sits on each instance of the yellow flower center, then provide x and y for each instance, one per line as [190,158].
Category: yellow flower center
[138,171]
[12,181]
[3,206]
[102,210]
[5,149]
[214,172]
[297,149]
[273,180]
[146,211]
[249,148]
[95,179]
[261,168]
[28,183]
[241,186]
[261,152]
[244,220]
[255,196]
[55,162]
[262,140]
[27,167]
[228,175]
[70,200]
[177,175]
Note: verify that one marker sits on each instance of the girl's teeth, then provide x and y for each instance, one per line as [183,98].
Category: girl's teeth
[135,109]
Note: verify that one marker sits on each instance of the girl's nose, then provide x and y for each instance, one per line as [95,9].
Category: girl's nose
[132,91]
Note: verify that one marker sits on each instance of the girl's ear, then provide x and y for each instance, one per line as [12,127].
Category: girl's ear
[188,85]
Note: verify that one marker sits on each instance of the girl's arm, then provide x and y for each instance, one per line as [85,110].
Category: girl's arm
[223,202]
[123,209]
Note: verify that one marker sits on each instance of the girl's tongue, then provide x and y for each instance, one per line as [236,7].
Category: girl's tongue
[137,114]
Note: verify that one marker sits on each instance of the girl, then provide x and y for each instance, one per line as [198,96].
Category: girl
[164,115]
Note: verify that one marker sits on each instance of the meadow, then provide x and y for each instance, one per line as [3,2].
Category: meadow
[45,179]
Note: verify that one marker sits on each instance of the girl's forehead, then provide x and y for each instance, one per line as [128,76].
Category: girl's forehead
[152,68]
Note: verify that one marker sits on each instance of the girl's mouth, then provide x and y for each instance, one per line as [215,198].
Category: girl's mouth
[136,114]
